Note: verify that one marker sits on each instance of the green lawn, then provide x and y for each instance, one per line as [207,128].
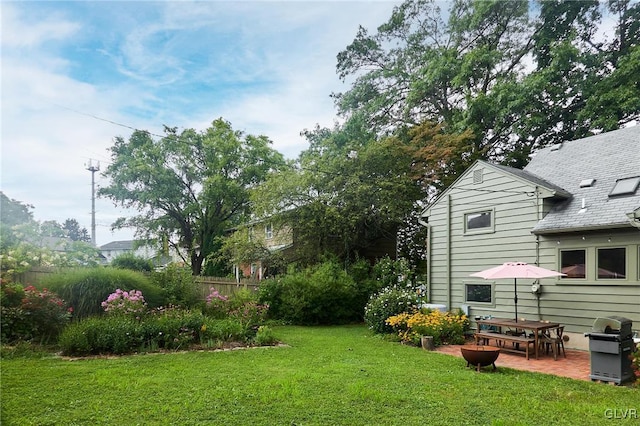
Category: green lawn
[326,376]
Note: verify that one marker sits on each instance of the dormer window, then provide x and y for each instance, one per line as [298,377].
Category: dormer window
[627,186]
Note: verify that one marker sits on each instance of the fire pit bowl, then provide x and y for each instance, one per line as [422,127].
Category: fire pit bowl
[480,355]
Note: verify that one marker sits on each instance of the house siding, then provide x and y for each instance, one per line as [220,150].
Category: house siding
[281,237]
[518,206]
[454,254]
[578,302]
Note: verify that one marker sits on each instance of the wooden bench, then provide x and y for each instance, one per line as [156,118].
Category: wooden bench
[502,338]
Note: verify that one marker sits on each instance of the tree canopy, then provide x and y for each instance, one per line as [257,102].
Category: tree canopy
[518,74]
[25,242]
[189,187]
[350,190]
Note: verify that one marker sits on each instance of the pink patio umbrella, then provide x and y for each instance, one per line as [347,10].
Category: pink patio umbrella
[516,270]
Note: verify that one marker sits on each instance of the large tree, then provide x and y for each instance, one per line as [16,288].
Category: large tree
[188,187]
[74,232]
[518,74]
[349,189]
[26,243]
[12,214]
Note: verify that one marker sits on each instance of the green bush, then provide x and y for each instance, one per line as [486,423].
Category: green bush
[392,273]
[163,328]
[132,262]
[388,302]
[221,330]
[179,285]
[86,289]
[265,336]
[445,328]
[30,314]
[216,305]
[323,294]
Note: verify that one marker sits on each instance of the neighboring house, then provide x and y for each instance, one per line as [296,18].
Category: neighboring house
[116,248]
[284,240]
[275,240]
[60,245]
[574,208]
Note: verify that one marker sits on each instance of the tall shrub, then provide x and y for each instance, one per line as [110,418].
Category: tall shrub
[388,302]
[30,314]
[179,285]
[86,289]
[323,294]
[132,262]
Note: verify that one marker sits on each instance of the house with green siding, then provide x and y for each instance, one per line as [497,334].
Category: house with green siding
[575,208]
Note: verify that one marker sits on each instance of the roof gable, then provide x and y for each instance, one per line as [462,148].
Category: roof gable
[548,189]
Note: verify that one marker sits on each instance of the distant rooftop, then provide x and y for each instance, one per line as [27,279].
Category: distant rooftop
[118,245]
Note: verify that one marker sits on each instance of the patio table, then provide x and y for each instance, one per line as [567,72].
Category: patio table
[535,326]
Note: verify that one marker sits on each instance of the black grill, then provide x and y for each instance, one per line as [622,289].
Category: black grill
[610,344]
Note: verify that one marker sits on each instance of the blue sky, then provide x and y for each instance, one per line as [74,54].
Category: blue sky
[70,70]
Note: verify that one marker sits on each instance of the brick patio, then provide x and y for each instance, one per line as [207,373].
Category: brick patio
[575,366]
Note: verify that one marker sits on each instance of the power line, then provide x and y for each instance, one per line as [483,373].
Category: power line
[106,120]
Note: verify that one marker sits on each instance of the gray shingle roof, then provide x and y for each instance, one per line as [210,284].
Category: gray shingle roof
[606,158]
[118,245]
[523,174]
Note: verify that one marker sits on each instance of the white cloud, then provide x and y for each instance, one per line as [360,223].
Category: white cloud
[268,68]
[41,29]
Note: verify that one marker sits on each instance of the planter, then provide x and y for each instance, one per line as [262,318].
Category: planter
[427,343]
[479,355]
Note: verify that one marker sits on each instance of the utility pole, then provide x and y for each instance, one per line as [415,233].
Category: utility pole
[93,169]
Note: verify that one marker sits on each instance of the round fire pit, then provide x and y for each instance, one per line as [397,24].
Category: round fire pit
[479,355]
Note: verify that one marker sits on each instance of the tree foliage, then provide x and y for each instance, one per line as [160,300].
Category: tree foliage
[189,186]
[518,74]
[132,262]
[349,190]
[12,213]
[27,243]
[74,232]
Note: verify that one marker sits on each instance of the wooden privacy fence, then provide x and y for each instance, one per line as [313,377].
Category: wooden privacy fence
[225,286]
[34,275]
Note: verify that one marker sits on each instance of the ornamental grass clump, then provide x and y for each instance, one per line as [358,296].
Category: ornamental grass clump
[446,328]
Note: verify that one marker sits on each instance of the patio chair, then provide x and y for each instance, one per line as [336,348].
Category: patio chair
[553,340]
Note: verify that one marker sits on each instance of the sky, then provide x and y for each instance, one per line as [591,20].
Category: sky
[75,75]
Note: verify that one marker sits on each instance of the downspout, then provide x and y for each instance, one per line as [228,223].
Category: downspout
[428,263]
[539,218]
[449,274]
[428,259]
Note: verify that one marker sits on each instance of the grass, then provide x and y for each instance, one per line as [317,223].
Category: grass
[326,376]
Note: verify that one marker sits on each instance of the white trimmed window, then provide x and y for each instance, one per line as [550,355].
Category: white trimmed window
[612,263]
[478,293]
[478,222]
[573,263]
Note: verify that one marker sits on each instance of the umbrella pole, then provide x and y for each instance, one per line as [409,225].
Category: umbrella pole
[515,297]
